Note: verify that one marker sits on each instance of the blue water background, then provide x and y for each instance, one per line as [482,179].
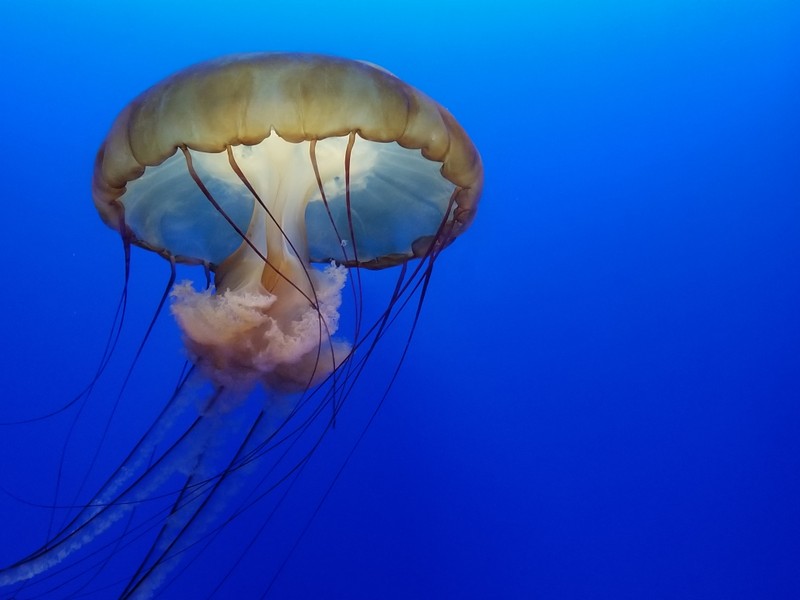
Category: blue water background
[603,396]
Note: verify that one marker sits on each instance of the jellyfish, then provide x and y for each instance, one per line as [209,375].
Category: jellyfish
[288,178]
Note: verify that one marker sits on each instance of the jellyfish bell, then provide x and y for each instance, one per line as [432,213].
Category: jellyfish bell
[283,174]
[260,165]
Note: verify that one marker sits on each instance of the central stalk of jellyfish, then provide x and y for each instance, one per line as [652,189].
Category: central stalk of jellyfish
[273,316]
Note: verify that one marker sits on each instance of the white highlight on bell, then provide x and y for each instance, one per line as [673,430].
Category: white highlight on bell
[238,341]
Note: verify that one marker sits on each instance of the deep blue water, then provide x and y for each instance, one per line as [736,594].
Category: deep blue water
[602,399]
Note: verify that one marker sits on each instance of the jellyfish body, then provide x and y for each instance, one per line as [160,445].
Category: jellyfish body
[278,173]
